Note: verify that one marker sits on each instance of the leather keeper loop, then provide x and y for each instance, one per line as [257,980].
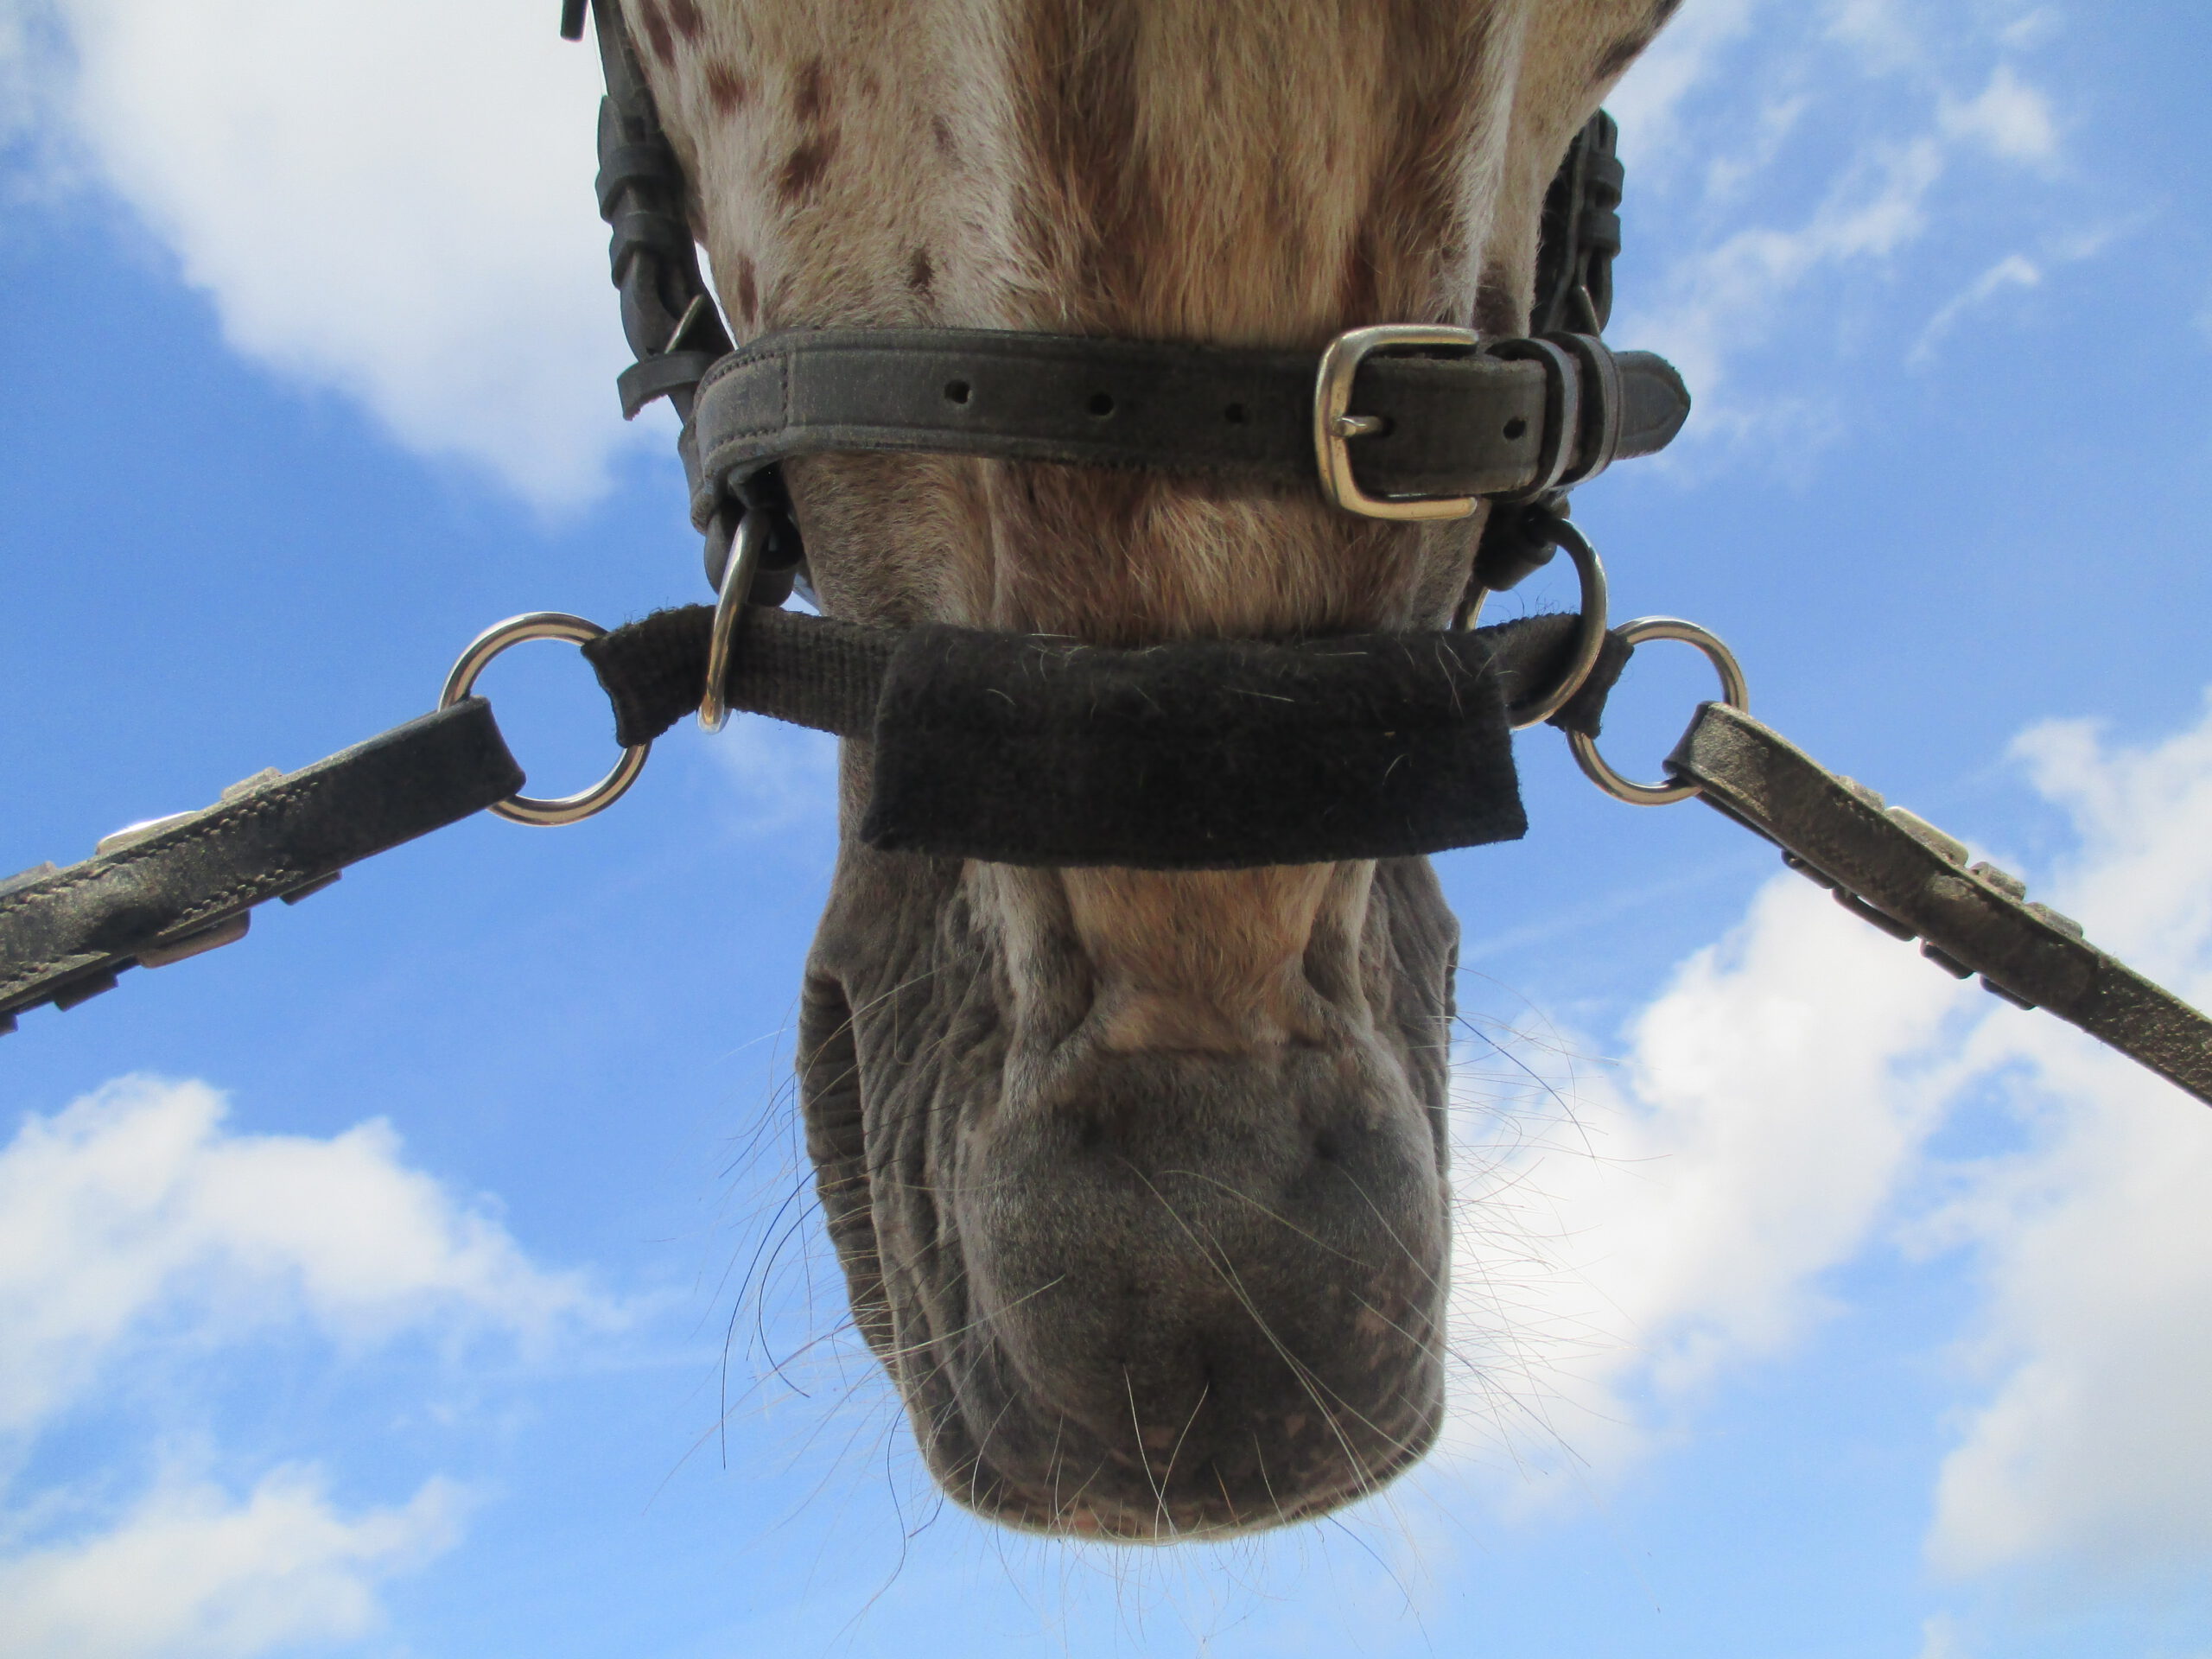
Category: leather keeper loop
[1562,411]
[1599,440]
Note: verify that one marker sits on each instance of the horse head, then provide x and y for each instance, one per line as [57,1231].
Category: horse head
[1137,1178]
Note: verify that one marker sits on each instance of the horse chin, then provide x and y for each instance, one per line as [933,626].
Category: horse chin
[1133,1295]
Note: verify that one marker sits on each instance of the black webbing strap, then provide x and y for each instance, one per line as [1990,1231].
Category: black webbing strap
[789,665]
[1195,754]
[163,891]
[813,671]
[1909,879]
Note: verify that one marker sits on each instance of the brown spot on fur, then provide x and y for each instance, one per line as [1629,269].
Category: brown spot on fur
[941,133]
[811,98]
[921,274]
[748,291]
[725,88]
[804,167]
[657,35]
[818,146]
[685,15]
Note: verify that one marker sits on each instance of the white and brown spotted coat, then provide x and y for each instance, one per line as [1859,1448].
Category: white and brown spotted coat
[1251,172]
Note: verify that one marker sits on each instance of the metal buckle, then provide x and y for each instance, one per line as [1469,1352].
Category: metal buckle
[1334,425]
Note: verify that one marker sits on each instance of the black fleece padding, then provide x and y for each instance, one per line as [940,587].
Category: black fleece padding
[1213,754]
[1207,754]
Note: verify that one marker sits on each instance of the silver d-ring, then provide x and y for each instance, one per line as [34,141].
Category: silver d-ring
[543,624]
[1589,635]
[737,585]
[1733,692]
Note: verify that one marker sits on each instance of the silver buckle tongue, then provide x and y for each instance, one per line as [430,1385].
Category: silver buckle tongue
[1334,425]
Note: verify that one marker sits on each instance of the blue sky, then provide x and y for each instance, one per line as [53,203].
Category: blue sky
[434,1273]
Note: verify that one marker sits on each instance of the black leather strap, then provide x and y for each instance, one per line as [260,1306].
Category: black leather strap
[1909,879]
[66,933]
[652,257]
[1473,424]
[1581,233]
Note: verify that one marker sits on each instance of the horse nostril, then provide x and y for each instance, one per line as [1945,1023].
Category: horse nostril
[1325,1147]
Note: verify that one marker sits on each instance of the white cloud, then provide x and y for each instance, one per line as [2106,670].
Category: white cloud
[2032,28]
[1939,1639]
[1771,1123]
[133,1203]
[1648,100]
[2009,117]
[137,1236]
[2013,270]
[786,776]
[1726,298]
[1793,186]
[2097,1252]
[1878,28]
[1769,1099]
[2096,1246]
[391,200]
[189,1574]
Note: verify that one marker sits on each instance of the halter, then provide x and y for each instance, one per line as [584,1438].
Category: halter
[1390,743]
[1018,748]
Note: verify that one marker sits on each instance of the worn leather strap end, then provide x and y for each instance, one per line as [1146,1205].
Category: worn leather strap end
[1654,403]
[659,376]
[1585,711]
[809,670]
[65,933]
[1911,878]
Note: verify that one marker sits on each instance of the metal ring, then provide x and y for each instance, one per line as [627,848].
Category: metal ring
[1733,692]
[738,570]
[1589,638]
[543,624]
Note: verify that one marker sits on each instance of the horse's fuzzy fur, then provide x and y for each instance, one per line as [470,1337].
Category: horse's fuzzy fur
[1235,171]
